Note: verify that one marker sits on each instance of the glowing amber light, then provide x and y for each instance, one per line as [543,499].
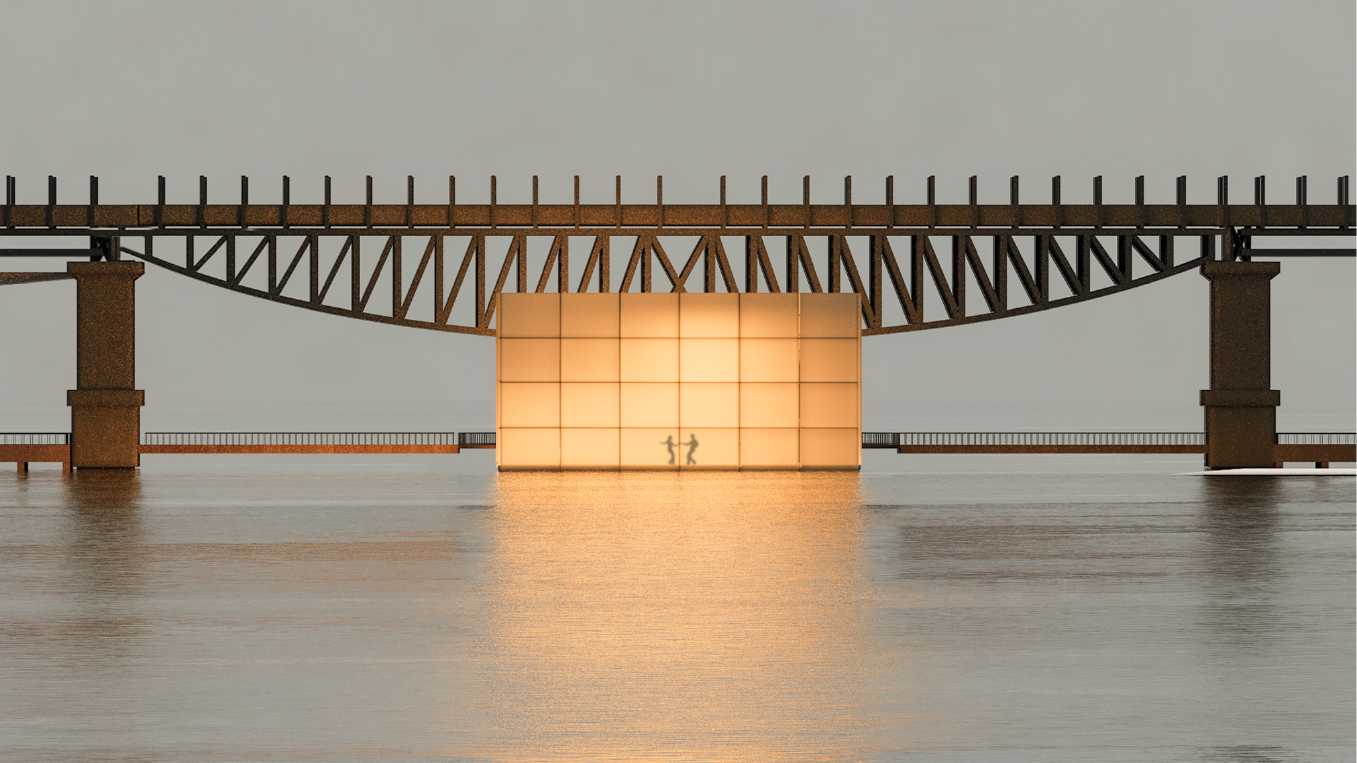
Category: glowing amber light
[685,611]
[678,381]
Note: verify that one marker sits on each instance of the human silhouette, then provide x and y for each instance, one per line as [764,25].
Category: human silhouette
[669,443]
[692,448]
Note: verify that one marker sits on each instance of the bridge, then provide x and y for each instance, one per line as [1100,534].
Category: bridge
[443,266]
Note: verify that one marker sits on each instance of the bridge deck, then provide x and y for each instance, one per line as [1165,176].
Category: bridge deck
[59,219]
[23,455]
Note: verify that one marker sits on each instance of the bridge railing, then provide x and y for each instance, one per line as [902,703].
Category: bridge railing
[35,438]
[1317,438]
[476,439]
[880,440]
[298,438]
[1018,439]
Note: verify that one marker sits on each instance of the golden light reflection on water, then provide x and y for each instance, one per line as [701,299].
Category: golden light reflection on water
[703,615]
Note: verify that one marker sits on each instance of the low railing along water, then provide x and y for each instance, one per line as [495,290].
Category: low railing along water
[1317,438]
[337,439]
[1048,439]
[35,438]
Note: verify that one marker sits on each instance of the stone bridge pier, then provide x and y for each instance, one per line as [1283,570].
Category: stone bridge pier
[105,404]
[1241,406]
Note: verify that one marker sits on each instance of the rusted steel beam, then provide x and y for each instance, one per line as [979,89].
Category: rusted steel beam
[1109,247]
[1304,452]
[36,454]
[11,279]
[81,218]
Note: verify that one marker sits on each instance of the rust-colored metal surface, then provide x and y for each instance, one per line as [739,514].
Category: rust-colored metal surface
[914,266]
[1316,453]
[13,279]
[105,405]
[442,266]
[24,454]
[1240,408]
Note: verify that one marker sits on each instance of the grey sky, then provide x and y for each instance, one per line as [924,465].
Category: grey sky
[689,90]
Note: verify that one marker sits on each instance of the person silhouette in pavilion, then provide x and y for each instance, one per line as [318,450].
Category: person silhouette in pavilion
[692,448]
[668,442]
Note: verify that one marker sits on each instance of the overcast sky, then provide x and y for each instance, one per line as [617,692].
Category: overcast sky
[692,91]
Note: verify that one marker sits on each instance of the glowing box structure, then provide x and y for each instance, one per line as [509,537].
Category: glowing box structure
[678,381]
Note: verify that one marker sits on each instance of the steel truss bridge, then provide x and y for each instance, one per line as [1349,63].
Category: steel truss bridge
[914,266]
[443,266]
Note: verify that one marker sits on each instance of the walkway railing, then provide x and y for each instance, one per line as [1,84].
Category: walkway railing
[476,439]
[35,438]
[1053,439]
[298,438]
[1037,442]
[1292,446]
[1320,447]
[1317,438]
[881,440]
[26,447]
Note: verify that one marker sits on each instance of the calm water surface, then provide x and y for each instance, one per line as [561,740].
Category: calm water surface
[402,611]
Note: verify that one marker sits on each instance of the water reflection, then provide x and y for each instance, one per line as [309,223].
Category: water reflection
[1240,519]
[104,564]
[412,614]
[705,615]
[71,630]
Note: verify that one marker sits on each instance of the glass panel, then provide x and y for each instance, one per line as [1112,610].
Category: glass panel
[768,315]
[650,360]
[590,315]
[650,448]
[529,405]
[768,360]
[590,360]
[589,405]
[529,360]
[649,404]
[528,448]
[709,360]
[594,448]
[829,405]
[769,448]
[709,404]
[830,448]
[829,360]
[709,448]
[829,315]
[709,315]
[529,315]
[768,405]
[649,315]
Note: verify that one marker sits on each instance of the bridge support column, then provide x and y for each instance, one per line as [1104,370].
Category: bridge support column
[105,405]
[1241,406]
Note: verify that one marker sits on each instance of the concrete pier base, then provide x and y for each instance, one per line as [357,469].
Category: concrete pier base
[1240,408]
[105,405]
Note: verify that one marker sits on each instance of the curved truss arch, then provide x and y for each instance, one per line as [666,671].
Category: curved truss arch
[450,279]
